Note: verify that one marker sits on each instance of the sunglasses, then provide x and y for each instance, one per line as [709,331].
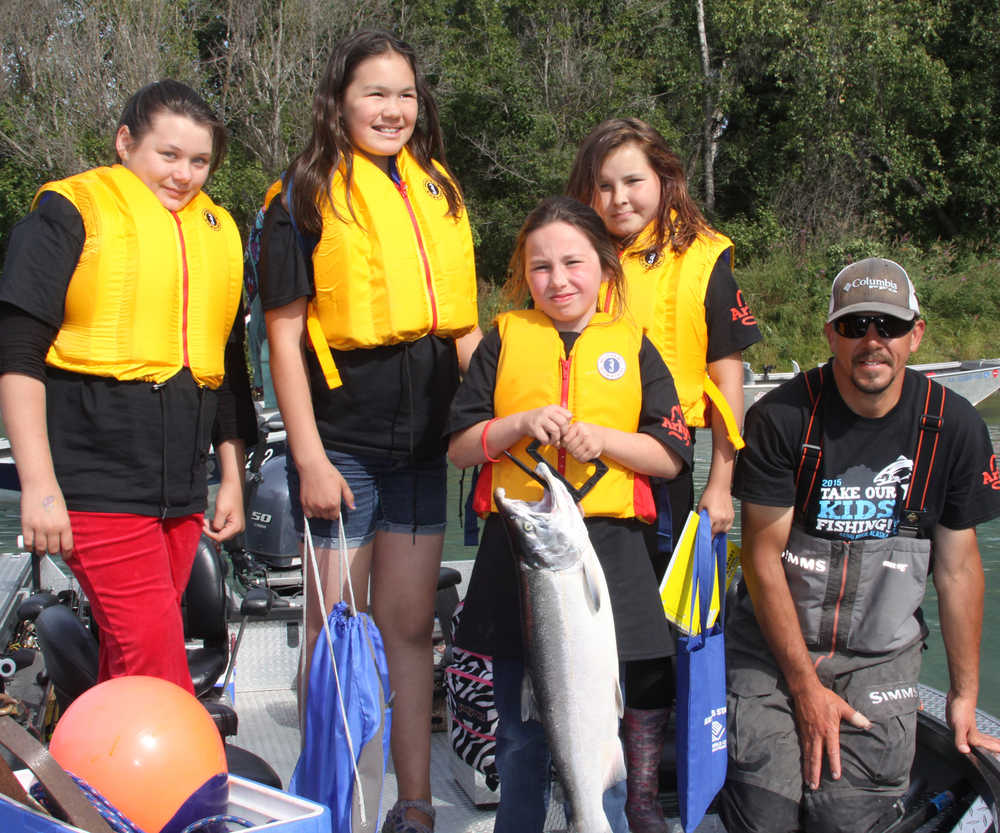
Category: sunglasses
[887,326]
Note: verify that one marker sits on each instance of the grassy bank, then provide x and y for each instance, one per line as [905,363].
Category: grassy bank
[789,289]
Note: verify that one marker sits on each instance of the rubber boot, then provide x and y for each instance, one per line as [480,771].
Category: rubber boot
[643,731]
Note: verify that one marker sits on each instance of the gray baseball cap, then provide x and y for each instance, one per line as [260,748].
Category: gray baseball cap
[873,285]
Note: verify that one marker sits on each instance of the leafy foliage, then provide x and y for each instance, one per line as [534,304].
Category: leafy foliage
[836,126]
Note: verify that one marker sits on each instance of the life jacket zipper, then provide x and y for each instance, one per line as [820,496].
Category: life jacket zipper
[185,291]
[564,368]
[401,187]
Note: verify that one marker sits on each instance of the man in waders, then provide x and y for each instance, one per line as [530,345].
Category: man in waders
[859,477]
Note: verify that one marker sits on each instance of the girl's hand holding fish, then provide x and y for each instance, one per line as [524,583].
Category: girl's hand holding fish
[585,441]
[547,424]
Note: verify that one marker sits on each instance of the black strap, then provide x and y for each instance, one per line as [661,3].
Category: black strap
[470,525]
[63,791]
[812,442]
[931,422]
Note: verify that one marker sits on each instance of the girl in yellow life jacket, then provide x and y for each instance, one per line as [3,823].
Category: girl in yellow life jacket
[681,291]
[368,286]
[120,346]
[680,288]
[585,384]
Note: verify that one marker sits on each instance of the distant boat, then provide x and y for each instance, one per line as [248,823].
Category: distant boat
[975,379]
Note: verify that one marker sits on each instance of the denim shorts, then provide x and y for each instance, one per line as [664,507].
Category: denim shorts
[389,496]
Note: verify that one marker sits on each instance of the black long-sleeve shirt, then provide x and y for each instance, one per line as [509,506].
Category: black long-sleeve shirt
[116,446]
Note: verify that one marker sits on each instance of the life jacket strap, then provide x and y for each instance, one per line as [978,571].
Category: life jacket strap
[721,404]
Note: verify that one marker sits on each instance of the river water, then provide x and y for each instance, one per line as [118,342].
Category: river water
[935,670]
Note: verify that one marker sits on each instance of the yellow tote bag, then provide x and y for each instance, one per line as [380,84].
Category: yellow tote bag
[676,587]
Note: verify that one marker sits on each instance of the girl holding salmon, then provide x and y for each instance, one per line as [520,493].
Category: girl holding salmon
[585,384]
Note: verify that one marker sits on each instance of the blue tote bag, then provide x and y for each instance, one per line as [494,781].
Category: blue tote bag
[345,734]
[701,686]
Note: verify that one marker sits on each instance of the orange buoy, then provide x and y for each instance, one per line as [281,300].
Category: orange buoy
[150,748]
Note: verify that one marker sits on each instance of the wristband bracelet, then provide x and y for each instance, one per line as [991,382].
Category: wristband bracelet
[486,451]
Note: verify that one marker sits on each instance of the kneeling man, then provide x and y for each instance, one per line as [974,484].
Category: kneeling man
[859,478]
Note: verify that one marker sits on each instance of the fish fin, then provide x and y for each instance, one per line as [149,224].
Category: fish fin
[529,706]
[592,585]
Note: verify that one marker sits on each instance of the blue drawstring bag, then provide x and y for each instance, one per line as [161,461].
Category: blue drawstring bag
[345,735]
[701,686]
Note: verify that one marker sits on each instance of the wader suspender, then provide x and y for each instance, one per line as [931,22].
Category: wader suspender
[812,444]
[923,459]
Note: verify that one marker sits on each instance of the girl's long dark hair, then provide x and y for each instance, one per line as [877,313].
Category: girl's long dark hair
[585,220]
[678,219]
[311,172]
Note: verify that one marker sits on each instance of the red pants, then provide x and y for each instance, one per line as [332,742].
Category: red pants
[134,569]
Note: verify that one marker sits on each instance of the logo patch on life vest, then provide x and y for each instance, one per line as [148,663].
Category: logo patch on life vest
[651,259]
[611,366]
[433,189]
[211,219]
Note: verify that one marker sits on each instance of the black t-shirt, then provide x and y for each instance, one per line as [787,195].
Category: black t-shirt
[490,621]
[732,328]
[116,446]
[867,463]
[394,399]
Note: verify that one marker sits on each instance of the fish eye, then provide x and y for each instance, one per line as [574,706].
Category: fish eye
[527,526]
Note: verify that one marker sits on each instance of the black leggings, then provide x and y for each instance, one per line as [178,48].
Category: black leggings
[649,683]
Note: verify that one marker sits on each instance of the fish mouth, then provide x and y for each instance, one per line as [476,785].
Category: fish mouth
[542,532]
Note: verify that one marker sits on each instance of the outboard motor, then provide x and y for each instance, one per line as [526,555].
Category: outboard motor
[270,532]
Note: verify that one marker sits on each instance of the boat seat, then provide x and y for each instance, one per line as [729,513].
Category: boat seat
[70,652]
[205,608]
[29,609]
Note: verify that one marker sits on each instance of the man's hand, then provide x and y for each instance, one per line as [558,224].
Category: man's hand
[961,714]
[818,713]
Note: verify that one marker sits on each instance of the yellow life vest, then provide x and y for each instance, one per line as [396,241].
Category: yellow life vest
[666,298]
[599,383]
[154,290]
[396,270]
